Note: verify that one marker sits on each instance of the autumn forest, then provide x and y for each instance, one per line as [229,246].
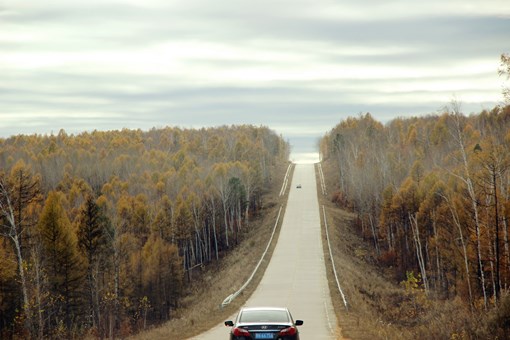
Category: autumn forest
[100,231]
[432,197]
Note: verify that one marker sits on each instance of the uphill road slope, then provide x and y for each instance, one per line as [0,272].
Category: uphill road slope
[296,275]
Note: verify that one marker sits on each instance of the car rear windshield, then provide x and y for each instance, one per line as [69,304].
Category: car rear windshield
[264,316]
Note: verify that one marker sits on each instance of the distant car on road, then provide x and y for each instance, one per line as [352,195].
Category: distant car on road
[253,323]
[298,186]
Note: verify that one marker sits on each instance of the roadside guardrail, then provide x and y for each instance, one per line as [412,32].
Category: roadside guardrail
[285,180]
[321,176]
[333,260]
[231,297]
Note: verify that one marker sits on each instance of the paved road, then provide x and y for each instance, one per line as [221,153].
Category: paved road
[296,275]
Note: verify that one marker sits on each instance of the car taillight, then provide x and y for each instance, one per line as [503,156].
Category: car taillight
[240,332]
[288,331]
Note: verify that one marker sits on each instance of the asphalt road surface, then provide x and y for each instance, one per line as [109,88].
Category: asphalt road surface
[296,274]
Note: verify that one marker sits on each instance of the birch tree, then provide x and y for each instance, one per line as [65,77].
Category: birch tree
[495,164]
[17,192]
[457,133]
[419,250]
[219,178]
[504,70]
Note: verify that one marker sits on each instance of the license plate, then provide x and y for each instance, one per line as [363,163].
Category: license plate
[263,335]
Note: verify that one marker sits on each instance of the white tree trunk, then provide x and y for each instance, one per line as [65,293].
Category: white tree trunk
[12,232]
[464,248]
[419,252]
[457,134]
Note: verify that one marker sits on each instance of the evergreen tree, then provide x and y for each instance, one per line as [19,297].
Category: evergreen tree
[93,243]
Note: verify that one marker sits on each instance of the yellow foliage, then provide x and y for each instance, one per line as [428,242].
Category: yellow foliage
[8,267]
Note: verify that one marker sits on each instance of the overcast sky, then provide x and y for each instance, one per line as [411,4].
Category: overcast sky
[298,66]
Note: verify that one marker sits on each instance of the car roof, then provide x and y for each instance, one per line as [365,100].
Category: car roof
[263,308]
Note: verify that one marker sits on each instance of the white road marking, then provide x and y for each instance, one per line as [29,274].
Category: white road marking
[296,276]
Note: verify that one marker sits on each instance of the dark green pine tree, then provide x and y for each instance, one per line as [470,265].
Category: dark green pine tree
[93,242]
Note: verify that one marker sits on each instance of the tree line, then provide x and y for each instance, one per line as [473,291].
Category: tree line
[100,231]
[432,195]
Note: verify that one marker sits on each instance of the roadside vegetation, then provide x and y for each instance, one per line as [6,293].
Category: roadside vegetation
[201,307]
[105,234]
[419,211]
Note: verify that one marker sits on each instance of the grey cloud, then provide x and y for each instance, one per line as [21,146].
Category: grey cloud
[301,108]
[108,27]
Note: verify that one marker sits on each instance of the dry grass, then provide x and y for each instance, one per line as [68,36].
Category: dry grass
[201,308]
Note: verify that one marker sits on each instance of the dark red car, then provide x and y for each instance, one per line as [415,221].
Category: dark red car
[274,323]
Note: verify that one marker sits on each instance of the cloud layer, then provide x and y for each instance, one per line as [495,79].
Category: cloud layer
[298,66]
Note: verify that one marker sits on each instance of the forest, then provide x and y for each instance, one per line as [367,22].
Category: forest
[432,197]
[100,231]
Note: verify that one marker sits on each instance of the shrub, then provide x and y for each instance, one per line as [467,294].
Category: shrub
[388,258]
